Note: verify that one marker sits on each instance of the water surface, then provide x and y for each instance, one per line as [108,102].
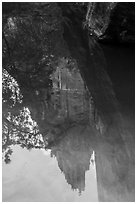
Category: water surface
[58,147]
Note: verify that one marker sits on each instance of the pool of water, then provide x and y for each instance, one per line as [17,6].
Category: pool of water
[56,147]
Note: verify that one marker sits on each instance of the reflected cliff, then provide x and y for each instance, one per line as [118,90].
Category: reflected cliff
[63,117]
[74,154]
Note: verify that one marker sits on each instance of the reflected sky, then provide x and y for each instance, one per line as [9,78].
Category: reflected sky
[35,176]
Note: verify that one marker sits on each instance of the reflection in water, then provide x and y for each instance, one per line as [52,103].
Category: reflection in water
[35,176]
[58,118]
[62,117]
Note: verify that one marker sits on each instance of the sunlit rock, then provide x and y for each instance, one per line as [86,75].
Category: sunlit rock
[112,21]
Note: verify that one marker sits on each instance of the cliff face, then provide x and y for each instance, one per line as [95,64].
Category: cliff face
[112,22]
